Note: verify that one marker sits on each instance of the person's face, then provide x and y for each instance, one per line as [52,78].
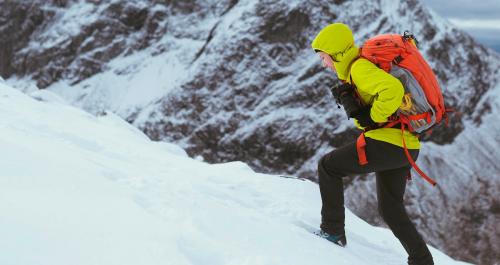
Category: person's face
[327,60]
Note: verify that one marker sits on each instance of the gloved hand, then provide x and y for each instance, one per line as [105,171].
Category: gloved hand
[363,117]
[344,95]
[341,90]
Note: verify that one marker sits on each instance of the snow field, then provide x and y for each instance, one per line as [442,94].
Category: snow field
[81,189]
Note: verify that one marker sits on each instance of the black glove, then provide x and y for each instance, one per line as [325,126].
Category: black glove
[363,117]
[341,90]
[344,95]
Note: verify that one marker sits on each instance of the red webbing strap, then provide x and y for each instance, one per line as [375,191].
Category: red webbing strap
[420,116]
[391,124]
[361,143]
[412,162]
[360,148]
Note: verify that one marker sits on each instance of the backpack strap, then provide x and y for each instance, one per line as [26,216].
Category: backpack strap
[412,162]
[360,148]
[363,160]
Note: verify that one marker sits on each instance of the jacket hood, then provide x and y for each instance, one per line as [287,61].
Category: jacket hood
[345,59]
[337,40]
[334,38]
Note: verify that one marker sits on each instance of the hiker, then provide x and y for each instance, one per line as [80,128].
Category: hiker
[378,96]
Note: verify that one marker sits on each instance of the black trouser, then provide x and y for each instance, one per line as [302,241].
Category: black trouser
[391,167]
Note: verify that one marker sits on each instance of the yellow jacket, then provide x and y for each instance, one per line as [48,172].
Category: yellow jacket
[384,93]
[375,86]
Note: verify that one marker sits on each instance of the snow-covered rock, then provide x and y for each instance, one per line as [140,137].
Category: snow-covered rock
[80,189]
[236,80]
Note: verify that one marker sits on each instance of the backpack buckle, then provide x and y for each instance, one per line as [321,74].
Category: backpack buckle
[408,36]
[397,60]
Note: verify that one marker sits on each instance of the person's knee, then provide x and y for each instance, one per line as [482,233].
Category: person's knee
[321,169]
[395,217]
[325,166]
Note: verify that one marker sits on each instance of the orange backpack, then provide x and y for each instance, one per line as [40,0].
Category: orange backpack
[423,105]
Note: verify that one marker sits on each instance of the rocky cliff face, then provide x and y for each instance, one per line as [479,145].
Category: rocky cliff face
[236,80]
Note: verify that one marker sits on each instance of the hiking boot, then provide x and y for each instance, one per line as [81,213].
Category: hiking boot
[339,239]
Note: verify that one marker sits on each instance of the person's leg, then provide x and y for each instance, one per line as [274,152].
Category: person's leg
[331,169]
[390,190]
[343,162]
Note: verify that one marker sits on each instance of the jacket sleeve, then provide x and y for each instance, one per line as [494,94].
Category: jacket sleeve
[384,90]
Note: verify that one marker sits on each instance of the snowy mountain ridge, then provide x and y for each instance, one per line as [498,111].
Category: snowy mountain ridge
[236,80]
[80,189]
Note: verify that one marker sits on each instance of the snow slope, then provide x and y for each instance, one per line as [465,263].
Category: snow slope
[80,189]
[236,80]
